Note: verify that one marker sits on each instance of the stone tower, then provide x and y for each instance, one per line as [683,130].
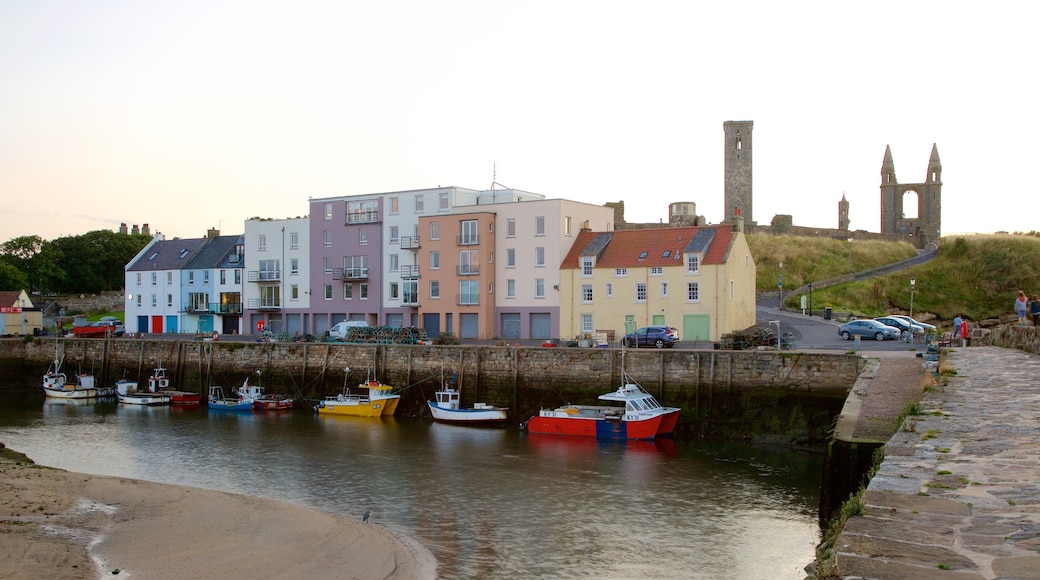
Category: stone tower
[923,200]
[843,214]
[738,169]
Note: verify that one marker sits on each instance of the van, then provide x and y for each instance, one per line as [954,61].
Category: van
[342,329]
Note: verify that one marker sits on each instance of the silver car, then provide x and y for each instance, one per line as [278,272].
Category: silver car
[868,327]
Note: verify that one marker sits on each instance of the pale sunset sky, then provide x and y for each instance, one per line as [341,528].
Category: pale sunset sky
[195,114]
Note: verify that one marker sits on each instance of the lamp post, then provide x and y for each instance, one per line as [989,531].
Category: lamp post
[913,282]
[810,298]
[780,285]
[850,254]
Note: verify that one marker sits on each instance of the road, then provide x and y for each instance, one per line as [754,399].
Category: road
[815,333]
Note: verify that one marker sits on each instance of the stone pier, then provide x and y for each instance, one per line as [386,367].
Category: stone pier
[958,492]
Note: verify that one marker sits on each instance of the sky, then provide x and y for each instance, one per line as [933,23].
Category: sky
[194,114]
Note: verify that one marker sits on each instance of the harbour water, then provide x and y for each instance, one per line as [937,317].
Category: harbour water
[488,503]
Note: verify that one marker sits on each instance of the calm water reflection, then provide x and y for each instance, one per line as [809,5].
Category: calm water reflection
[488,503]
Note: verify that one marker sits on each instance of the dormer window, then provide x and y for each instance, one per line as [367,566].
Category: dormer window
[666,253]
[642,255]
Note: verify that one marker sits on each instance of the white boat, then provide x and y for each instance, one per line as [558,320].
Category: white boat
[57,385]
[128,394]
[448,409]
[243,398]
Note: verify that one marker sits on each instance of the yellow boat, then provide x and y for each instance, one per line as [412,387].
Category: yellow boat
[378,400]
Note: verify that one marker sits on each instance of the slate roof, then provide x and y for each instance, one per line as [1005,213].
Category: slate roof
[649,248]
[167,255]
[213,253]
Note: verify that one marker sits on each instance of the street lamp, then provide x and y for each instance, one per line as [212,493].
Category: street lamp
[780,285]
[913,282]
[810,298]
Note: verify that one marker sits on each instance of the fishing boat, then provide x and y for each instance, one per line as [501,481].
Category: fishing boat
[632,413]
[159,382]
[373,399]
[242,400]
[57,385]
[448,409]
[140,397]
[273,403]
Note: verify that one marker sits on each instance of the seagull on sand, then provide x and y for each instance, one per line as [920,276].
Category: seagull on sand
[364,518]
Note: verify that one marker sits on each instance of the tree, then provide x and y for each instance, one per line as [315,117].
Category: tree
[12,278]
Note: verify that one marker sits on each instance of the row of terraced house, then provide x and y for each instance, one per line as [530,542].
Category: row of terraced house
[505,264]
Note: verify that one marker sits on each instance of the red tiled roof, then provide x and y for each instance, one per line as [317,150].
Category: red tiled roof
[10,297]
[626,246]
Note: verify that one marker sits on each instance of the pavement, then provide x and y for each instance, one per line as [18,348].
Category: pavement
[958,492]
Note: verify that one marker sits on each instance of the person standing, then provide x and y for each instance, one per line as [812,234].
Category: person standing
[1034,310]
[1021,305]
[956,328]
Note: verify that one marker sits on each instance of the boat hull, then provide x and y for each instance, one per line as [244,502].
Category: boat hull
[235,406]
[69,392]
[143,398]
[599,428]
[273,404]
[492,416]
[184,398]
[348,408]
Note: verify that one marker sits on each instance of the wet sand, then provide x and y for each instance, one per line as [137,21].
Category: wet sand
[58,524]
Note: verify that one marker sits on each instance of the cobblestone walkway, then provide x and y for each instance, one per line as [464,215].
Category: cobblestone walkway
[958,493]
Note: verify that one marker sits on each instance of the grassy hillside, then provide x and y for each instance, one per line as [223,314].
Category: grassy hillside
[975,276]
[809,259]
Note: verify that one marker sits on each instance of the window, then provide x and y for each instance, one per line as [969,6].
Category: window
[435,230]
[510,288]
[394,291]
[657,271]
[539,226]
[395,263]
[155,278]
[435,260]
[410,292]
[223,276]
[327,264]
[326,237]
[511,258]
[444,201]
[294,266]
[294,240]
[395,234]
[539,257]
[469,236]
[191,277]
[394,205]
[363,290]
[328,291]
[261,243]
[642,255]
[609,292]
[586,267]
[435,289]
[567,226]
[169,278]
[620,272]
[641,292]
[362,212]
[348,291]
[468,265]
[328,211]
[469,292]
[418,203]
[539,287]
[205,276]
[270,297]
[355,267]
[362,237]
[155,303]
[294,292]
[693,293]
[238,276]
[586,323]
[664,289]
[586,293]
[511,227]
[169,300]
[692,264]
[139,300]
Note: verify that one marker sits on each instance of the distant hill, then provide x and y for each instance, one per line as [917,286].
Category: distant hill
[976,276]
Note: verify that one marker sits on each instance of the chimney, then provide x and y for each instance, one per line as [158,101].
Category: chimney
[212,233]
[145,230]
[122,228]
[135,230]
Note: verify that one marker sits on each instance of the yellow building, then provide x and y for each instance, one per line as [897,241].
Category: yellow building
[700,280]
[18,316]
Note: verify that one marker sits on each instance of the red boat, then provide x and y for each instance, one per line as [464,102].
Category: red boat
[273,403]
[634,414]
[158,382]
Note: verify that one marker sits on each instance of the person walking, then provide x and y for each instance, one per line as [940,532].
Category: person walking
[956,328]
[1034,310]
[1021,305]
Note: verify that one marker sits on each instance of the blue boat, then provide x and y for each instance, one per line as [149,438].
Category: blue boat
[243,402]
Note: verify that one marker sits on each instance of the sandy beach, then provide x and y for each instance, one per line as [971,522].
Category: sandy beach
[57,524]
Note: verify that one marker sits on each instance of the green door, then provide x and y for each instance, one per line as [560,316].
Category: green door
[696,327]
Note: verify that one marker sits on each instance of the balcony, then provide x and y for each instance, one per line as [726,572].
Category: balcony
[410,301]
[470,270]
[349,274]
[213,308]
[409,272]
[264,304]
[469,240]
[467,299]
[264,276]
[410,242]
[362,217]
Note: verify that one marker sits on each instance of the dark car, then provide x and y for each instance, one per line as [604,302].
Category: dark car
[656,336]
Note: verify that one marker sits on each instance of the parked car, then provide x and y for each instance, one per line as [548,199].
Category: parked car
[868,327]
[120,330]
[656,336]
[928,328]
[901,324]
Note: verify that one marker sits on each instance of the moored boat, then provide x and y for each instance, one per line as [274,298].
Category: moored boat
[448,409]
[159,382]
[273,403]
[128,394]
[378,400]
[242,400]
[57,385]
[632,414]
